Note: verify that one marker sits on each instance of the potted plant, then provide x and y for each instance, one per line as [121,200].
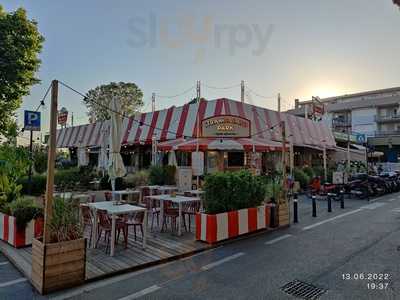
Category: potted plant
[61,262]
[20,221]
[234,205]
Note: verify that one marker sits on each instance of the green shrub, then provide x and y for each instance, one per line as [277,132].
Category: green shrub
[24,210]
[169,175]
[273,190]
[10,190]
[38,185]
[156,175]
[136,179]
[64,224]
[309,172]
[40,161]
[232,191]
[74,177]
[301,177]
[162,175]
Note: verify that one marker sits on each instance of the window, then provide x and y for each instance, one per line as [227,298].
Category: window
[235,159]
[212,162]
[183,159]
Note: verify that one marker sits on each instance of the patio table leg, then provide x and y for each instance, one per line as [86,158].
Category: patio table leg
[94,230]
[162,214]
[112,246]
[145,228]
[180,219]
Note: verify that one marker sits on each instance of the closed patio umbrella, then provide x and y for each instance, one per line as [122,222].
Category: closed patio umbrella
[103,163]
[116,166]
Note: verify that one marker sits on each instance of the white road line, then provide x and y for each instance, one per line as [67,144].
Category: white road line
[332,219]
[373,205]
[12,282]
[3,263]
[273,241]
[142,293]
[220,262]
[393,199]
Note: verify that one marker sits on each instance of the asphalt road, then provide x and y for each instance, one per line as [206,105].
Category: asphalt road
[13,285]
[349,254]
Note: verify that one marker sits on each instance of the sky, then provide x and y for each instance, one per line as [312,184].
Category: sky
[296,48]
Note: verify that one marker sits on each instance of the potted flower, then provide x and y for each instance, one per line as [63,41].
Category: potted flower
[61,262]
[234,205]
[20,218]
[20,221]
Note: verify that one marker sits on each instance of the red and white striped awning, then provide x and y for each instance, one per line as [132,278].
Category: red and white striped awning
[205,144]
[175,123]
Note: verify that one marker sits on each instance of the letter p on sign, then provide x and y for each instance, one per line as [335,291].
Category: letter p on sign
[32,120]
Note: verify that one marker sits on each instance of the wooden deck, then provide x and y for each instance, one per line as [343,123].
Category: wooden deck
[161,247]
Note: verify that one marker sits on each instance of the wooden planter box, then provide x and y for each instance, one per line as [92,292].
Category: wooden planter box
[283,214]
[19,237]
[58,265]
[219,227]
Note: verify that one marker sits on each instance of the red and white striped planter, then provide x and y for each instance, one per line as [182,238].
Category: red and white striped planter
[219,227]
[17,237]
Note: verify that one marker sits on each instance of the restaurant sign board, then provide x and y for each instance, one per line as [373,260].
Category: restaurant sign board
[225,126]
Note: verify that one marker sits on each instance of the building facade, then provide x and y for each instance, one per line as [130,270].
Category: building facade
[372,117]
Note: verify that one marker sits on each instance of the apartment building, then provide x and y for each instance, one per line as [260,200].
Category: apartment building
[371,117]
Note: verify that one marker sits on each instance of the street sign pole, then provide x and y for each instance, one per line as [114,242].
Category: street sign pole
[30,163]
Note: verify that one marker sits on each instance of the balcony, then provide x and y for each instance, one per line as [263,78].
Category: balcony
[386,133]
[387,119]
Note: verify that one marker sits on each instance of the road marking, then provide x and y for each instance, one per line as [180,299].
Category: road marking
[3,263]
[12,282]
[142,293]
[273,241]
[373,205]
[396,209]
[332,219]
[221,261]
[103,283]
[393,199]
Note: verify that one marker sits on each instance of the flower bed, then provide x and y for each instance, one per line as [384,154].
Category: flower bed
[212,228]
[19,237]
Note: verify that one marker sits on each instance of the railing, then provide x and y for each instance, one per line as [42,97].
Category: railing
[387,132]
[390,118]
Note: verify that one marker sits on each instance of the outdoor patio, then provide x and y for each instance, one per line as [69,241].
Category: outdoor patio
[161,247]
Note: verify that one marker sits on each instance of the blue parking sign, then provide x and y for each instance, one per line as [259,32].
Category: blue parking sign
[32,120]
[361,138]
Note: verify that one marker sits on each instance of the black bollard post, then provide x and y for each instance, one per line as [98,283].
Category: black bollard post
[342,199]
[295,209]
[273,214]
[314,206]
[329,203]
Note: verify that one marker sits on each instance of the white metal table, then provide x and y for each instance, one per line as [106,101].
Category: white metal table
[115,210]
[198,193]
[176,199]
[126,192]
[151,189]
[166,189]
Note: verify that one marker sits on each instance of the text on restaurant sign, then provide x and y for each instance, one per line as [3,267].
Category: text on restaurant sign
[225,126]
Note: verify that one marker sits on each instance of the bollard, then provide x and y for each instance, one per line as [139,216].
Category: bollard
[273,216]
[329,203]
[342,199]
[314,206]
[295,209]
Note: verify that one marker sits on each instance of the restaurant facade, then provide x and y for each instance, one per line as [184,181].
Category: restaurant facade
[208,136]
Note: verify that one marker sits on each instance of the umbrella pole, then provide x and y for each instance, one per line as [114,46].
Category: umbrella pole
[113,188]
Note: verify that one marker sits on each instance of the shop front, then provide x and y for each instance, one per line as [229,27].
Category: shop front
[206,137]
